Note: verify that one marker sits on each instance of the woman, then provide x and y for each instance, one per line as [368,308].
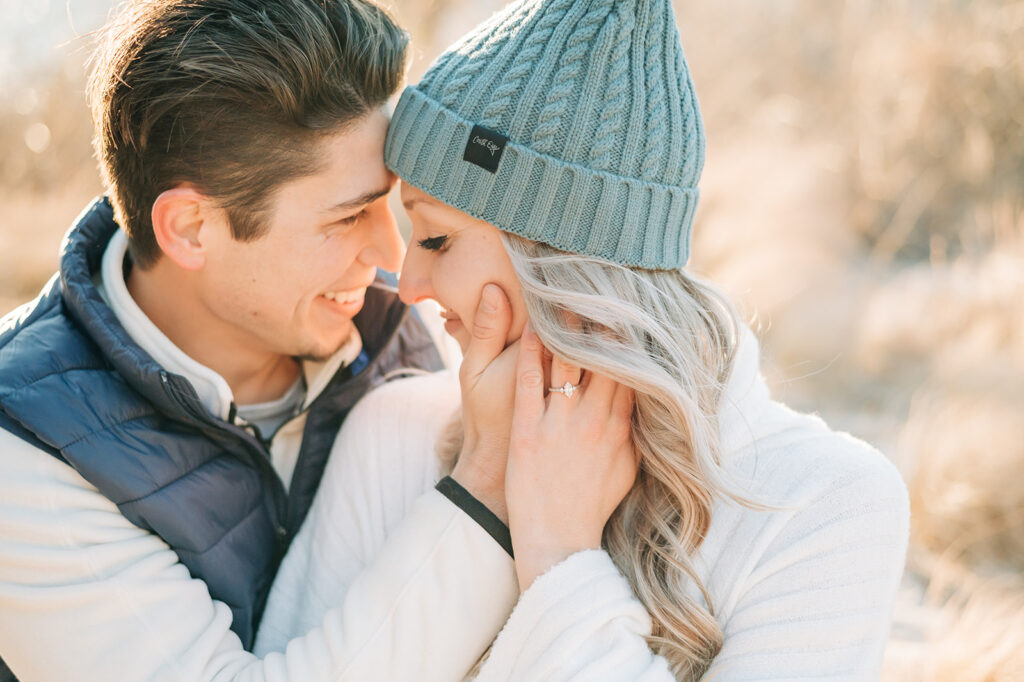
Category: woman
[555,152]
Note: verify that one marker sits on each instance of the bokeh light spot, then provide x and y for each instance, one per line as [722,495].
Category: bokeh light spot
[37,137]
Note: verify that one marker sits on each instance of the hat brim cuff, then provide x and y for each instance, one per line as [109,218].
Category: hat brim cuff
[537,196]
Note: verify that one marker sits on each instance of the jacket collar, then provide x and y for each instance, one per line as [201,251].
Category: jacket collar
[81,256]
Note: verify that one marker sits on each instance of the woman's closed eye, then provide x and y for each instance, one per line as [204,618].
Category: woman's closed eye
[433,243]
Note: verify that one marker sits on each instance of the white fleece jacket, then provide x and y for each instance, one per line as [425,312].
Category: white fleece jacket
[803,593]
[86,596]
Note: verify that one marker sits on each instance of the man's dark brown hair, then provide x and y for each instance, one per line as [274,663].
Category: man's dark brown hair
[231,96]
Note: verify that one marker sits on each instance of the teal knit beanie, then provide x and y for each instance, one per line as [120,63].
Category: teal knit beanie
[569,122]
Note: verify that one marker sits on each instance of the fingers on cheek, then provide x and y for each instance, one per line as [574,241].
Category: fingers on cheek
[624,401]
[531,379]
[620,431]
[531,341]
[562,371]
[621,420]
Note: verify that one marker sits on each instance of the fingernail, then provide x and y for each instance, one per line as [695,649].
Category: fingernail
[530,337]
[489,301]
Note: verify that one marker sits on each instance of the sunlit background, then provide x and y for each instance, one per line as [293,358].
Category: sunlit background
[863,200]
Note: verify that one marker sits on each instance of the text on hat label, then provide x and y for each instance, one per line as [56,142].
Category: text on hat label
[484,148]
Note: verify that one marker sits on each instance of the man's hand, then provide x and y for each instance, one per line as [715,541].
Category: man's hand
[487,377]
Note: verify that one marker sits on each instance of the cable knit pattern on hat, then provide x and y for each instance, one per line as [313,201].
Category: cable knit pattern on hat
[654,152]
[502,102]
[612,114]
[592,137]
[566,83]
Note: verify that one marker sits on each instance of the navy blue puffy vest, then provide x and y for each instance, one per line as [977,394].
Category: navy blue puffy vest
[75,385]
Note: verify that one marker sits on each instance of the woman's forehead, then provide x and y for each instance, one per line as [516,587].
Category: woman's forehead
[424,207]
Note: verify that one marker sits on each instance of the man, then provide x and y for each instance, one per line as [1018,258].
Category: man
[170,399]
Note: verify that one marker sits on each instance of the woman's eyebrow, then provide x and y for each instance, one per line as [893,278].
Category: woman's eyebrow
[409,204]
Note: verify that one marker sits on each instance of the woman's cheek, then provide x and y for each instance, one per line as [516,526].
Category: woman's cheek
[462,337]
[516,330]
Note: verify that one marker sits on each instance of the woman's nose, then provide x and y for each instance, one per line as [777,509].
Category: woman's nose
[414,281]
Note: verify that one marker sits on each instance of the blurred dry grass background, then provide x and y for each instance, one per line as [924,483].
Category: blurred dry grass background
[863,199]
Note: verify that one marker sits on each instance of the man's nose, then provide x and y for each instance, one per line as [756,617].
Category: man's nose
[386,248]
[413,283]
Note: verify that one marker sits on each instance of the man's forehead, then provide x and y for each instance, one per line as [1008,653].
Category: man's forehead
[353,171]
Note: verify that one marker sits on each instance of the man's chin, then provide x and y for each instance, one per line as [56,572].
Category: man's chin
[324,351]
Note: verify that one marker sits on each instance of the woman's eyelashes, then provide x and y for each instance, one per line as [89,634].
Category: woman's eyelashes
[433,243]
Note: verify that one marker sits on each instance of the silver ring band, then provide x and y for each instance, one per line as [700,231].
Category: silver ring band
[567,389]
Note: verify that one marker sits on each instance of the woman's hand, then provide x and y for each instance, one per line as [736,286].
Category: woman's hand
[571,460]
[487,378]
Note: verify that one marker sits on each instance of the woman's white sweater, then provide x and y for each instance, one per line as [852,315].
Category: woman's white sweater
[801,593]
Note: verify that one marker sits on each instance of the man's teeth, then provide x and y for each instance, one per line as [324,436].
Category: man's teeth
[344,296]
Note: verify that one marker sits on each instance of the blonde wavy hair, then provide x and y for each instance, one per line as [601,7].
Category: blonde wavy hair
[672,339]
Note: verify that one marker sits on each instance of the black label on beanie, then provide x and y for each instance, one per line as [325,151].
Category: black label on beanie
[484,148]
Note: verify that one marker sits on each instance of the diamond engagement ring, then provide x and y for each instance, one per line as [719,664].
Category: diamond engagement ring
[568,390]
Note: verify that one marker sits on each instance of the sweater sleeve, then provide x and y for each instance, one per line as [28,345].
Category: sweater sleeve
[86,595]
[578,621]
[812,600]
[372,488]
[818,601]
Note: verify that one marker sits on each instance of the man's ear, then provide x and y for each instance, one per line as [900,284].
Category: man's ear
[179,216]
